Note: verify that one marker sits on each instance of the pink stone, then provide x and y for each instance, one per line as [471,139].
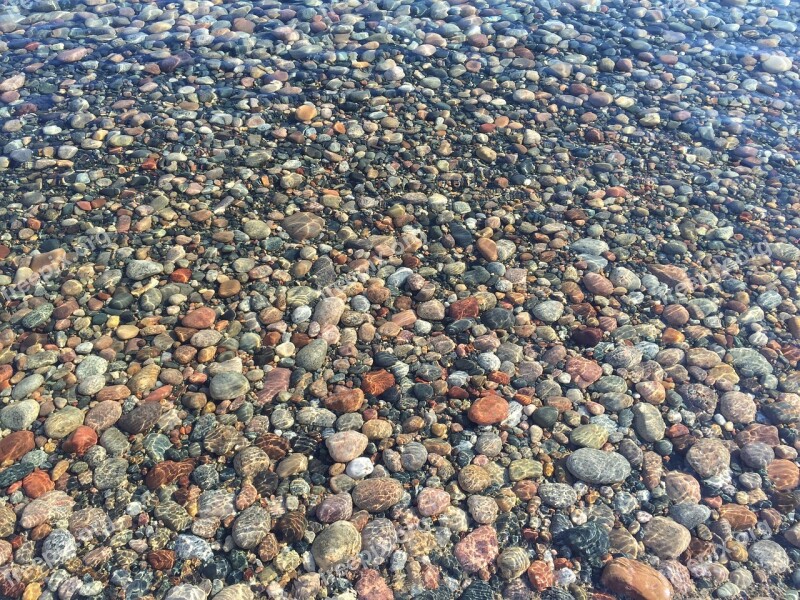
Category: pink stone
[584,372]
[432,502]
[478,549]
[275,382]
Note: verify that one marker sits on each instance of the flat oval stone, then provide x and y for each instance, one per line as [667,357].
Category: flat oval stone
[63,422]
[228,385]
[19,415]
[648,423]
[377,495]
[557,495]
[250,527]
[598,467]
[590,435]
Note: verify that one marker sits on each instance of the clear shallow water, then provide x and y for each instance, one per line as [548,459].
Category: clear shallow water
[393,299]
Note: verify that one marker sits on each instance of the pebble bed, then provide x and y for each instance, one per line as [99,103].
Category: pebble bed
[392,299]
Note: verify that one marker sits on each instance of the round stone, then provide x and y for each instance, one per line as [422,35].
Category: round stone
[344,446]
[708,457]
[665,538]
[337,543]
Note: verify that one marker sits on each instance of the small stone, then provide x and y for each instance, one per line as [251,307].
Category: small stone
[371,586]
[665,538]
[334,508]
[80,440]
[16,445]
[305,112]
[557,495]
[19,415]
[311,357]
[228,385]
[141,419]
[590,435]
[376,383]
[432,502]
[770,556]
[63,422]
[58,548]
[291,527]
[303,226]
[473,479]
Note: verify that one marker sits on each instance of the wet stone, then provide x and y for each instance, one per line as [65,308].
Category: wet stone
[250,527]
[377,495]
[598,467]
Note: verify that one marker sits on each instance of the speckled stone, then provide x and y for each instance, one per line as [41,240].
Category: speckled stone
[770,556]
[378,540]
[557,495]
[473,479]
[432,502]
[478,549]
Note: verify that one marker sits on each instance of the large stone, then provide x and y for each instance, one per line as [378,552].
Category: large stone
[338,542]
[708,457]
[598,467]
[228,385]
[377,495]
[635,580]
[478,549]
[303,226]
